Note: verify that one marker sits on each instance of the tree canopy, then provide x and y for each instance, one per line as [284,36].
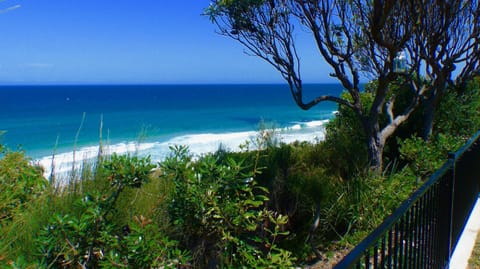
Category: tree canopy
[358,39]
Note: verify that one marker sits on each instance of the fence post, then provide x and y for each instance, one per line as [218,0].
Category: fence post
[452,161]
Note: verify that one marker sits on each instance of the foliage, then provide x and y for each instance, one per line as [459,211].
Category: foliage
[144,245]
[358,206]
[71,241]
[238,10]
[357,39]
[20,183]
[296,184]
[424,157]
[17,237]
[448,57]
[344,142]
[457,118]
[344,135]
[127,171]
[459,112]
[88,236]
[217,209]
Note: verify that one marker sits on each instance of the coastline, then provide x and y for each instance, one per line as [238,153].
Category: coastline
[201,143]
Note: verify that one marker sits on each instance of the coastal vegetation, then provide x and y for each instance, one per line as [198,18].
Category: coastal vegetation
[271,205]
[393,43]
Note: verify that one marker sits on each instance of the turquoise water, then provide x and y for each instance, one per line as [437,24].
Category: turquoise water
[202,116]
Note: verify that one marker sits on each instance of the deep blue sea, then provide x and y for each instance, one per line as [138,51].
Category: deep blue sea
[149,118]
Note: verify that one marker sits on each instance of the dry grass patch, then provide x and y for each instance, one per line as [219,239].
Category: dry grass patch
[474,262]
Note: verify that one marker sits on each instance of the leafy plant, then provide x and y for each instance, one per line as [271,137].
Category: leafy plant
[80,237]
[459,112]
[20,183]
[218,211]
[143,246]
[71,241]
[424,157]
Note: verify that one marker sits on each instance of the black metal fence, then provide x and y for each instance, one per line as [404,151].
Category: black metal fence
[424,230]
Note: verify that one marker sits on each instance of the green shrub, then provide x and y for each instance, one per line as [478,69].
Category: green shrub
[72,241]
[424,157]
[457,118]
[20,183]
[90,233]
[22,190]
[344,152]
[219,213]
[458,114]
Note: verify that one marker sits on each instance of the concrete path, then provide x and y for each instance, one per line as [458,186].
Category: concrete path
[465,245]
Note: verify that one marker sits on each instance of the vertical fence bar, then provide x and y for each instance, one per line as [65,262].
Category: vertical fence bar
[451,158]
[405,240]
[416,239]
[375,255]
[411,240]
[421,232]
[429,228]
[367,259]
[383,255]
[414,252]
[396,244]
[390,249]
[400,242]
[438,218]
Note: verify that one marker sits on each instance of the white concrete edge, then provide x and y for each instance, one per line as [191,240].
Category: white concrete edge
[466,243]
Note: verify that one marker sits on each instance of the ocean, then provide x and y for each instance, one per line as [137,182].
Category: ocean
[148,119]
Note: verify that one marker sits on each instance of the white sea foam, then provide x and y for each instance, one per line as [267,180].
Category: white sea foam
[210,142]
[68,161]
[198,144]
[296,127]
[317,123]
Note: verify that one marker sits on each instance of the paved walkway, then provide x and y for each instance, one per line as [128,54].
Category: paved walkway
[465,245]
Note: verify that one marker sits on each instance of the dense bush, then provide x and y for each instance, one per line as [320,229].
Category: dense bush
[459,112]
[216,210]
[219,213]
[20,183]
[22,188]
[456,120]
[90,235]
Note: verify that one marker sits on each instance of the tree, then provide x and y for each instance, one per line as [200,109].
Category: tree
[356,38]
[447,38]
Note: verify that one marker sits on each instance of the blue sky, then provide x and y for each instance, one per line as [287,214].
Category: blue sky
[128,42]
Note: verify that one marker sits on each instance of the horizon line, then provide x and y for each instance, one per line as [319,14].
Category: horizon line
[159,84]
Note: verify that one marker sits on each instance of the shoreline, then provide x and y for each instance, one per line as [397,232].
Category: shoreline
[201,143]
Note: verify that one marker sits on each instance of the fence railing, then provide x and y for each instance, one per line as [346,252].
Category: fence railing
[424,230]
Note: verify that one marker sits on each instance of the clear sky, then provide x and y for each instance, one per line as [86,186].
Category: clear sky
[128,42]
